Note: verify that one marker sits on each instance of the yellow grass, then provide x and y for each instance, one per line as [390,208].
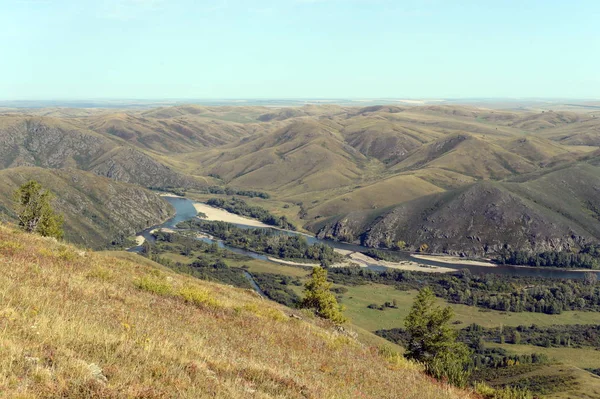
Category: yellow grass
[79,324]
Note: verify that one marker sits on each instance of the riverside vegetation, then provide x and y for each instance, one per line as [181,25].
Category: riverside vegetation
[270,242]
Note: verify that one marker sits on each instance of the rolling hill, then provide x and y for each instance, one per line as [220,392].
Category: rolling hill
[97,210]
[330,161]
[52,143]
[469,156]
[304,156]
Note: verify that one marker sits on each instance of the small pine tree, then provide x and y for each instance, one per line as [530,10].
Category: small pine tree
[318,296]
[433,342]
[35,211]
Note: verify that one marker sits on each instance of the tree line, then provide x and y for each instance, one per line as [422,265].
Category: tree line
[489,291]
[266,241]
[586,258]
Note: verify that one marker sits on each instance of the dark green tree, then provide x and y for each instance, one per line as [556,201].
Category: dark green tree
[433,342]
[35,212]
[318,296]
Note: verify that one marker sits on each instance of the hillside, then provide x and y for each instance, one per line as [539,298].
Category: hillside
[304,156]
[329,161]
[97,210]
[183,132]
[467,155]
[53,143]
[81,324]
[558,210]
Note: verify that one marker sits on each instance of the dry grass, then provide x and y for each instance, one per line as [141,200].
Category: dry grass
[78,324]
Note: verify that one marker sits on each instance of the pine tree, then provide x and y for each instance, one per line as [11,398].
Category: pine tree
[433,342]
[318,296]
[35,211]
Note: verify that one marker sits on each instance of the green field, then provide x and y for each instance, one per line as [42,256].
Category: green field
[358,298]
[580,357]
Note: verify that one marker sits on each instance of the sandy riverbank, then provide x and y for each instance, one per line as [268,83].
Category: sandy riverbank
[139,240]
[457,261]
[454,260]
[221,215]
[363,260]
[287,262]
[163,229]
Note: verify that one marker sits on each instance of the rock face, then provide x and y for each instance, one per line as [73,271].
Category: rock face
[52,143]
[478,220]
[97,210]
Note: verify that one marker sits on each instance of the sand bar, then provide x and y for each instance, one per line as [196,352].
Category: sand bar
[454,260]
[139,240]
[287,262]
[222,215]
[363,260]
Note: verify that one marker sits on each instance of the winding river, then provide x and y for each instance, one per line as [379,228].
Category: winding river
[184,210]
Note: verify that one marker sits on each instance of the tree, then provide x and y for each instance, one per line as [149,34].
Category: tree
[590,278]
[401,245]
[433,342]
[318,296]
[35,211]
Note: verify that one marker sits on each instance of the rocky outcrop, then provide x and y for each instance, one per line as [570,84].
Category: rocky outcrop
[98,211]
[478,220]
[52,143]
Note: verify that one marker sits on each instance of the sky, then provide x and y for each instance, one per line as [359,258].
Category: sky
[227,49]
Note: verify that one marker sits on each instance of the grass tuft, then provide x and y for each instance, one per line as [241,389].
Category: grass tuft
[155,285]
[198,297]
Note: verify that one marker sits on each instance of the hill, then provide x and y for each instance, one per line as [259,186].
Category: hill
[53,143]
[319,163]
[467,155]
[81,324]
[304,156]
[558,210]
[97,210]
[180,132]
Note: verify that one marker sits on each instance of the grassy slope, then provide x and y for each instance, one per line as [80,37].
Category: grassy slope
[75,324]
[97,209]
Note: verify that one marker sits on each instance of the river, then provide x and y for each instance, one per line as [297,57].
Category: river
[184,210]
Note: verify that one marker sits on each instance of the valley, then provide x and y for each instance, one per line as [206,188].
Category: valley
[389,199]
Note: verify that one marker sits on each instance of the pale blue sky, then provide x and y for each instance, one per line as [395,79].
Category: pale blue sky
[82,49]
